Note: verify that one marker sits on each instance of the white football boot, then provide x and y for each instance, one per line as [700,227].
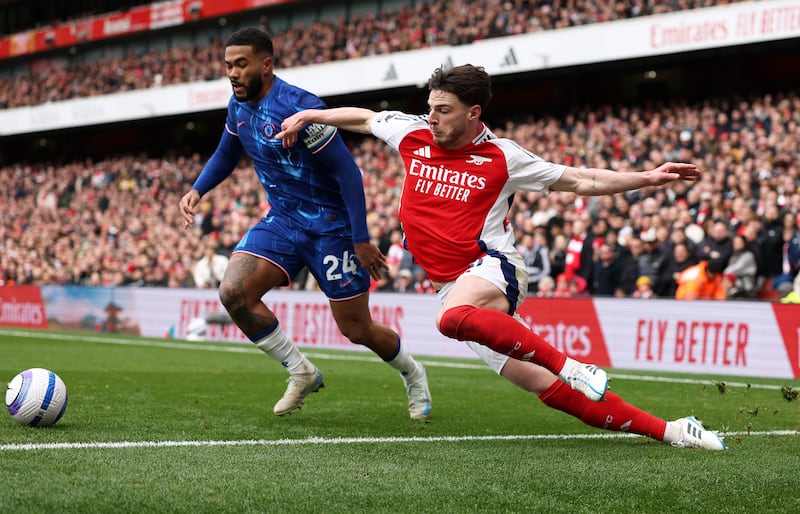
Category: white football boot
[299,386]
[589,380]
[419,395]
[693,435]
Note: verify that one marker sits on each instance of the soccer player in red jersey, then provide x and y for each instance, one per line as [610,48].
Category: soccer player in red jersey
[460,182]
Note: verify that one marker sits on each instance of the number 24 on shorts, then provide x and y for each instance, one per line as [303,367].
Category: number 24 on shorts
[348,263]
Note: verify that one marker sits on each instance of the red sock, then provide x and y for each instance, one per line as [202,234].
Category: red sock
[502,333]
[612,414]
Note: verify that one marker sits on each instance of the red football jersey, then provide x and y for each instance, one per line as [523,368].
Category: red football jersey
[454,203]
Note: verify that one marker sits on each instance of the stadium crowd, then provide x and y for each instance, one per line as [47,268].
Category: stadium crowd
[741,218]
[414,25]
[115,222]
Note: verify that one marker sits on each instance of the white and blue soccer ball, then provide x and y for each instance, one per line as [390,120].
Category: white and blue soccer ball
[36,397]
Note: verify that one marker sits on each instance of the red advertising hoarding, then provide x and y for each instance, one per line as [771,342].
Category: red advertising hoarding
[22,306]
[154,16]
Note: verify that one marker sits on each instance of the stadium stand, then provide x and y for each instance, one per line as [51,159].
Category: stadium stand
[50,238]
[116,68]
[748,143]
[20,16]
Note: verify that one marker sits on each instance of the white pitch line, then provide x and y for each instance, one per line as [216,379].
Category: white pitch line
[234,347]
[341,440]
[676,380]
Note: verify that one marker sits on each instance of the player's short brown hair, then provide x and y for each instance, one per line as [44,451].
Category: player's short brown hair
[471,84]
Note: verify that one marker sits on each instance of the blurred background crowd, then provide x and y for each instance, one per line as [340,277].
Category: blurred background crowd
[408,27]
[113,221]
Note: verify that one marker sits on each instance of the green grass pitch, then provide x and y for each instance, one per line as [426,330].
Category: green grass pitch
[172,426]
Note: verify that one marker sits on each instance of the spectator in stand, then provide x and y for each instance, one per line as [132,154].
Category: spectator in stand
[717,244]
[743,267]
[578,261]
[577,286]
[770,245]
[210,268]
[227,242]
[630,265]
[703,210]
[397,257]
[652,261]
[607,273]
[382,284]
[790,254]
[569,286]
[404,283]
[591,247]
[794,295]
[154,277]
[180,277]
[619,224]
[422,284]
[580,249]
[534,251]
[644,288]
[677,235]
[543,211]
[561,289]
[546,287]
[703,281]
[675,264]
[612,240]
[558,255]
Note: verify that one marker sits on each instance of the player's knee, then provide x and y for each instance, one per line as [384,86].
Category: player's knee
[232,298]
[451,321]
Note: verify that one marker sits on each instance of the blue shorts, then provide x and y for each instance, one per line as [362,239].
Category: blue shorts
[330,257]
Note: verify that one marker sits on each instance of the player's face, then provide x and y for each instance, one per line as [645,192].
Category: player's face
[247,72]
[452,123]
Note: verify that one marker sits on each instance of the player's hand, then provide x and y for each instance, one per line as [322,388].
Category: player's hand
[188,207]
[670,171]
[371,258]
[290,127]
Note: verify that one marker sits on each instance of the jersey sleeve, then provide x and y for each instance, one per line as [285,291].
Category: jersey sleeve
[328,148]
[338,159]
[526,170]
[315,136]
[392,126]
[224,159]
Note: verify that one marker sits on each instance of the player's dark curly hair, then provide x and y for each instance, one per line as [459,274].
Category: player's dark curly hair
[471,84]
[257,39]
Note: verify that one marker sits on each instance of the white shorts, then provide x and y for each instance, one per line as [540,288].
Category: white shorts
[506,270]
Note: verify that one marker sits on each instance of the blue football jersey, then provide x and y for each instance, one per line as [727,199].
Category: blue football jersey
[298,183]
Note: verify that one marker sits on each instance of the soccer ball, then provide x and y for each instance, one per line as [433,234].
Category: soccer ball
[36,397]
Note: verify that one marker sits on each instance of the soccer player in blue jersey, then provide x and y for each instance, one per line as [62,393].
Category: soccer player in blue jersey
[317,219]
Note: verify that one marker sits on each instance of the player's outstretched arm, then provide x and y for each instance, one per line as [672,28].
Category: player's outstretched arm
[594,181]
[354,119]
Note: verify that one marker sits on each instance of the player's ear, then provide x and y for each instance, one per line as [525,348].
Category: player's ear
[474,112]
[267,63]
